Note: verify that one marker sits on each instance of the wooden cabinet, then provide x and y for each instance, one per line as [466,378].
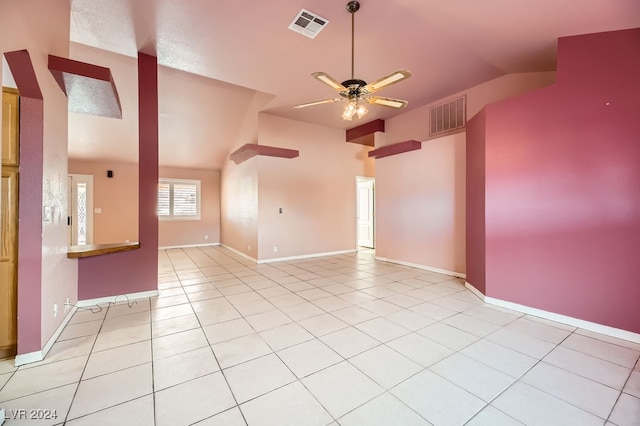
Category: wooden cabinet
[9,223]
[10,126]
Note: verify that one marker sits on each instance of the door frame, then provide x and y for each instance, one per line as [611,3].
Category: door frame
[372,212]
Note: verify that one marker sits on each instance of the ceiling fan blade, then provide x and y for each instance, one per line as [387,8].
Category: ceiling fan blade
[324,101]
[386,81]
[327,79]
[388,102]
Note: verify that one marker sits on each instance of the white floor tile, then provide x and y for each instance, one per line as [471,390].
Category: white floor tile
[118,358]
[174,325]
[193,401]
[231,417]
[353,315]
[341,388]
[133,413]
[409,319]
[173,344]
[448,336]
[633,384]
[383,411]
[385,366]
[227,330]
[627,411]
[111,389]
[534,407]
[349,341]
[257,377]
[382,329]
[289,405]
[309,357]
[499,357]
[268,320]
[241,349]
[285,336]
[44,408]
[479,379]
[437,400]
[491,416]
[183,367]
[610,352]
[323,324]
[522,343]
[596,369]
[420,349]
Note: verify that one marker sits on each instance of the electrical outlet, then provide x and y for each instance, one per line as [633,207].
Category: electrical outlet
[55,310]
[206,237]
[67,305]
[275,249]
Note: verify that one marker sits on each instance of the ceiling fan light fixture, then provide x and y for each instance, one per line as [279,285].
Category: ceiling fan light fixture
[361,111]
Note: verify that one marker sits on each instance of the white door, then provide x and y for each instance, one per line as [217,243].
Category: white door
[80,209]
[366,216]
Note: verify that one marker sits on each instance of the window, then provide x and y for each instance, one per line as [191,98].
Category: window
[178,199]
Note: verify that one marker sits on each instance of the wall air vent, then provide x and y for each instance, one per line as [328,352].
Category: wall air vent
[448,117]
[308,23]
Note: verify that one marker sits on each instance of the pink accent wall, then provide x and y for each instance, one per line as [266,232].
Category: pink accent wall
[420,195]
[562,177]
[133,271]
[117,197]
[317,190]
[192,232]
[475,202]
[42,28]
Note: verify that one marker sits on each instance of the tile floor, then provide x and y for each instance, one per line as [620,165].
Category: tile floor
[340,340]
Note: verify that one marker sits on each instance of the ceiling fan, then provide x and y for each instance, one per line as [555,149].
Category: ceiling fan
[358,92]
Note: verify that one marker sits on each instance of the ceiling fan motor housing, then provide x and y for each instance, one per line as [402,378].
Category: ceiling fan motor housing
[353,6]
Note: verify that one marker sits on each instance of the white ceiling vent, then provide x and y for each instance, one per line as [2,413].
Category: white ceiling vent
[448,117]
[308,23]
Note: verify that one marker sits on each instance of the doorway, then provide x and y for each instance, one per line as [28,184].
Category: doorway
[80,219]
[365,194]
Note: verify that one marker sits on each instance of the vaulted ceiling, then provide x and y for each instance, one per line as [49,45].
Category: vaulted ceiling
[223,61]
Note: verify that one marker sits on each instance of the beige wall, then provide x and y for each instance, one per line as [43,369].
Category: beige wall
[420,195]
[117,198]
[193,232]
[317,190]
[43,28]
[239,207]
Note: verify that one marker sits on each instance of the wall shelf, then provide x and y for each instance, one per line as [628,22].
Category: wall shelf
[396,148]
[250,150]
[90,89]
[364,134]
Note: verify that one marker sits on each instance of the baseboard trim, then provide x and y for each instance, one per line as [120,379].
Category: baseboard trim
[307,256]
[118,298]
[188,246]
[424,267]
[239,253]
[474,290]
[564,319]
[41,354]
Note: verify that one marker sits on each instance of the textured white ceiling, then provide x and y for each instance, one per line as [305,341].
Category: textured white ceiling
[222,55]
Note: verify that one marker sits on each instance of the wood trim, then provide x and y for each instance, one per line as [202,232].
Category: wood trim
[397,148]
[76,252]
[250,150]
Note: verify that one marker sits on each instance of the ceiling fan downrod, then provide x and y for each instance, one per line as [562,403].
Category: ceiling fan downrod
[352,8]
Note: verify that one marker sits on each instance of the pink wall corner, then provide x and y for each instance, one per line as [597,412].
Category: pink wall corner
[420,197]
[317,190]
[116,197]
[475,202]
[562,200]
[42,29]
[193,232]
[133,271]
